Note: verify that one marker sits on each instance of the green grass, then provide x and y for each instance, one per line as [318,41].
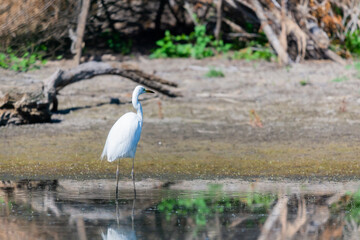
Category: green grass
[340,79]
[357,67]
[255,51]
[214,73]
[304,83]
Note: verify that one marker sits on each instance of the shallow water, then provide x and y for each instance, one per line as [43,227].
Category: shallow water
[52,210]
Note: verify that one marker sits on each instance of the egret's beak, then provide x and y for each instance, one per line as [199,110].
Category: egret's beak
[149,91]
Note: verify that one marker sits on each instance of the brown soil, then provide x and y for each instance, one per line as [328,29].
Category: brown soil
[310,131]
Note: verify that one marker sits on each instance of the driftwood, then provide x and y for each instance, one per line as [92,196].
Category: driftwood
[23,108]
[34,107]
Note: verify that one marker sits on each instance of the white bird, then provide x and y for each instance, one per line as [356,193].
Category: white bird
[118,234]
[125,134]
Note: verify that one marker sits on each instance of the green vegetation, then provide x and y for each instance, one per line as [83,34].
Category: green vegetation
[357,67]
[214,73]
[255,51]
[27,61]
[214,201]
[200,45]
[340,79]
[115,42]
[353,207]
[197,45]
[352,42]
[260,203]
[304,83]
[199,208]
[350,46]
[350,202]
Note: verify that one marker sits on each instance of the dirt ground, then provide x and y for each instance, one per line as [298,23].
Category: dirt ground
[310,131]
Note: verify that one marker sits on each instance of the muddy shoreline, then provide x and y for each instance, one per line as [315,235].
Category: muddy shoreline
[308,132]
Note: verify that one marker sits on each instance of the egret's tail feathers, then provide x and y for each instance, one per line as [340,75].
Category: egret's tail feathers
[103,155]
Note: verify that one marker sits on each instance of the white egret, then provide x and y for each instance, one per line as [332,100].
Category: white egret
[125,134]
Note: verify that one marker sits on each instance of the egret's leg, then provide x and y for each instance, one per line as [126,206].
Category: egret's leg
[117,181]
[133,177]
[117,212]
[133,214]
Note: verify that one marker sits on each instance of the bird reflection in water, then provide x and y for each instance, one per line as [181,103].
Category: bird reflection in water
[118,231]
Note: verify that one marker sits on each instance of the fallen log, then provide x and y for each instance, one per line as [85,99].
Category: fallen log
[34,107]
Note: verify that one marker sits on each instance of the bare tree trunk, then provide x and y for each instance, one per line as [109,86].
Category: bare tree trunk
[219,10]
[81,29]
[159,14]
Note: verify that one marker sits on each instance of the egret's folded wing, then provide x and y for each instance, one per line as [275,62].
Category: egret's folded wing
[123,137]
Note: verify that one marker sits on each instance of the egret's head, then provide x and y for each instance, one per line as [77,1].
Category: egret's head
[140,90]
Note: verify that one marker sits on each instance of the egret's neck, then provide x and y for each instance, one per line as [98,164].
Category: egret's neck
[137,106]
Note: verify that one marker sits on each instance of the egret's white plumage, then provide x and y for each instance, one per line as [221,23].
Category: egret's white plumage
[125,134]
[118,234]
[123,137]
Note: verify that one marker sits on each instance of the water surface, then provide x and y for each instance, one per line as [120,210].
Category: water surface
[52,210]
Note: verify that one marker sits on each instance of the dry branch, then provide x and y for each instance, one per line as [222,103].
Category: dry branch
[333,56]
[291,27]
[34,107]
[81,29]
[273,39]
[240,32]
[190,12]
[219,7]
